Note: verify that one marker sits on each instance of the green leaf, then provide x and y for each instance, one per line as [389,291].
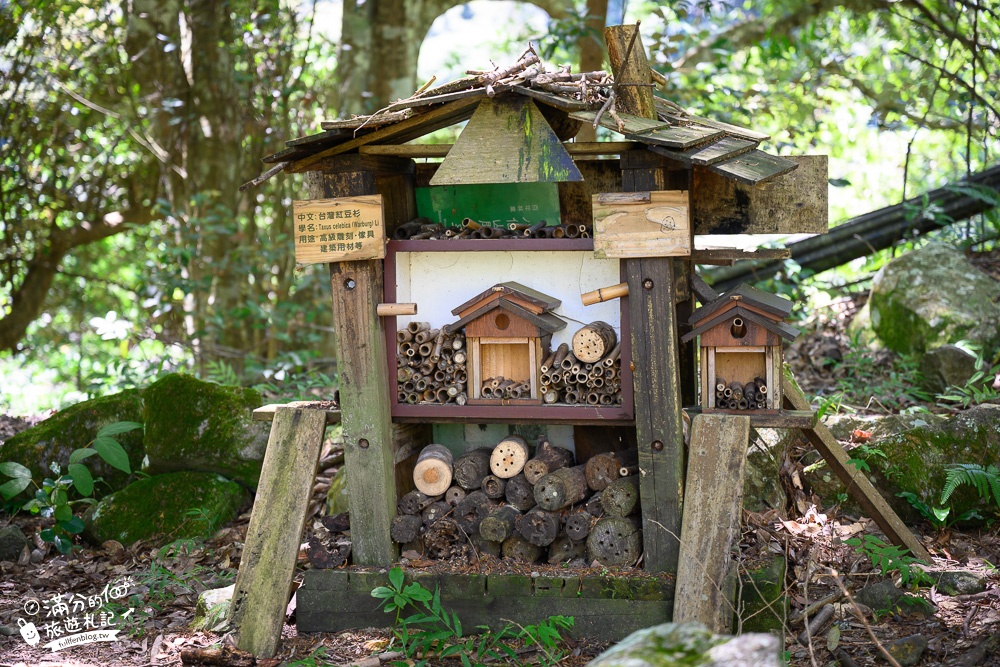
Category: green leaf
[62,544]
[113,453]
[81,454]
[72,526]
[396,578]
[382,592]
[15,486]
[118,427]
[82,479]
[63,513]
[15,470]
[47,534]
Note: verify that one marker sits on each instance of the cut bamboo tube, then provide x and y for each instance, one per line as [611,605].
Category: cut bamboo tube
[395,309]
[604,294]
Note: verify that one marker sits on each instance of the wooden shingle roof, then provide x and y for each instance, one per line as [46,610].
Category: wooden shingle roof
[777,306]
[515,298]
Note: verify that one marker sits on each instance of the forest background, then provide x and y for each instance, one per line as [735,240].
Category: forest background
[126,128]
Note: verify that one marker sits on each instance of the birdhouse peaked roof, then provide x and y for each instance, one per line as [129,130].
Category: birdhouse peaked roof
[675,133]
[757,306]
[516,299]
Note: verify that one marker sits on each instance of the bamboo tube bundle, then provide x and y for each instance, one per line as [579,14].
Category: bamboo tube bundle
[422,228]
[567,379]
[501,387]
[431,365]
[738,395]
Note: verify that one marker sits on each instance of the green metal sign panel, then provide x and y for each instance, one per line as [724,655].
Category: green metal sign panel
[492,204]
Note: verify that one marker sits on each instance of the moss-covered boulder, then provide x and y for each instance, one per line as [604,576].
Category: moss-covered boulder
[688,644]
[915,460]
[763,605]
[932,296]
[53,440]
[164,508]
[196,425]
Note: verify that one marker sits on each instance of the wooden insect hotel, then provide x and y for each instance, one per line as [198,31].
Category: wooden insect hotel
[554,445]
[741,335]
[507,330]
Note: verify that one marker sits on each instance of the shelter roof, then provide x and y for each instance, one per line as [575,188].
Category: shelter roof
[676,133]
[516,299]
[778,307]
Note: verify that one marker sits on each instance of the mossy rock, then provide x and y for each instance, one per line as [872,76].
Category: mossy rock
[763,605]
[915,460]
[53,440]
[165,508]
[686,645]
[932,296]
[196,425]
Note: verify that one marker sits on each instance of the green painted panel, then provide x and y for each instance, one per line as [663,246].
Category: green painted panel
[493,204]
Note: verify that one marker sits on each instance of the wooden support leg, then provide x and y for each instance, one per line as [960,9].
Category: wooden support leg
[713,502]
[857,484]
[273,537]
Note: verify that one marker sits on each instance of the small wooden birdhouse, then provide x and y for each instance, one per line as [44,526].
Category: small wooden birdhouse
[507,329]
[741,336]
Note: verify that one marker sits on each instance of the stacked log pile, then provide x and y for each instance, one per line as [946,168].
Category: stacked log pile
[430,365]
[740,396]
[423,228]
[508,503]
[587,374]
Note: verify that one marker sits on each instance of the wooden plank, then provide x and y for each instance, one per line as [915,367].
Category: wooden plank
[632,125]
[266,413]
[576,199]
[630,65]
[418,125]
[338,230]
[680,137]
[857,483]
[366,122]
[263,584]
[556,101]
[713,503]
[364,385]
[320,139]
[441,150]
[507,140]
[708,154]
[656,225]
[795,203]
[672,111]
[719,256]
[754,167]
[801,419]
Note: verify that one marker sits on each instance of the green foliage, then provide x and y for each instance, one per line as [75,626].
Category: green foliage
[52,498]
[868,379]
[977,389]
[889,559]
[938,516]
[432,631]
[986,481]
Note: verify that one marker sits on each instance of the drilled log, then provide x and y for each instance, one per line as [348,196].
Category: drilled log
[564,550]
[548,458]
[493,487]
[454,495]
[405,528]
[562,488]
[615,541]
[484,546]
[471,467]
[621,498]
[432,474]
[500,523]
[519,549]
[592,342]
[539,527]
[414,502]
[509,457]
[593,505]
[603,469]
[519,493]
[472,510]
[435,511]
[578,524]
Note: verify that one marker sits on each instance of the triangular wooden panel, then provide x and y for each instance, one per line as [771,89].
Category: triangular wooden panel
[507,140]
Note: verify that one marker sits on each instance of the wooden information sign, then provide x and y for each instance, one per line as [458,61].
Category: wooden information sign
[642,224]
[339,230]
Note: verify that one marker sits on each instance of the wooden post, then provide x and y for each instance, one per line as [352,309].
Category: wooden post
[364,374]
[264,582]
[653,321]
[713,504]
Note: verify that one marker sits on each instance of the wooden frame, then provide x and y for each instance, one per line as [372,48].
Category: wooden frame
[772,371]
[623,414]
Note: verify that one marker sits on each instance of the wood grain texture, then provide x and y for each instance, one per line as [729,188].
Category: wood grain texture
[263,584]
[364,386]
[708,154]
[857,484]
[637,100]
[713,502]
[507,140]
[790,204]
[657,227]
[754,167]
[575,198]
[336,230]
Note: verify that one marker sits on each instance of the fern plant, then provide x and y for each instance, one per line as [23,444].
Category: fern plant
[986,481]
